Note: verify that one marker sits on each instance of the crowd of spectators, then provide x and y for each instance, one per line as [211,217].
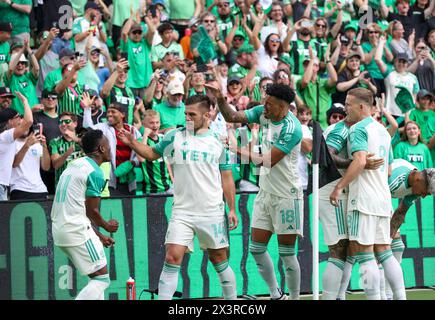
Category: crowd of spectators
[69,65]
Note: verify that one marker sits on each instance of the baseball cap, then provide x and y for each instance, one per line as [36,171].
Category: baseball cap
[402,56]
[245,48]
[351,25]
[233,79]
[7,114]
[336,108]
[6,92]
[353,54]
[136,26]
[91,5]
[95,48]
[175,87]
[117,106]
[239,33]
[160,2]
[6,27]
[46,93]
[66,52]
[424,93]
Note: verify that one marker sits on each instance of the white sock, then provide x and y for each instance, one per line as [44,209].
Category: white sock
[393,273]
[292,270]
[397,246]
[227,279]
[382,282]
[331,279]
[168,281]
[265,267]
[347,272]
[369,275]
[94,290]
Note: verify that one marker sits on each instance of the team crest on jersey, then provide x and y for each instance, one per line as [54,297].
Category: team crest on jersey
[353,202]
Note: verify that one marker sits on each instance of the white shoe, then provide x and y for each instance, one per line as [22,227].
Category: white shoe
[283,296]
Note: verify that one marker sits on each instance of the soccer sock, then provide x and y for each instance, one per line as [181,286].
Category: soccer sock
[393,273]
[369,275]
[331,279]
[292,270]
[347,272]
[227,279]
[265,267]
[397,246]
[94,290]
[383,282]
[168,281]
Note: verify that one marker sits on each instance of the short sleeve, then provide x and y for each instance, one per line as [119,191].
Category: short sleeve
[336,139]
[225,160]
[289,137]
[7,136]
[77,28]
[165,146]
[254,114]
[358,140]
[95,184]
[416,87]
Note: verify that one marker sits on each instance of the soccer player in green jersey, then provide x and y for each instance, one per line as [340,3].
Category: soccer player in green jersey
[201,167]
[75,215]
[369,200]
[278,205]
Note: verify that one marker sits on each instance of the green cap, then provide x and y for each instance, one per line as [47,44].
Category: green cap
[351,25]
[239,33]
[285,58]
[245,48]
[404,99]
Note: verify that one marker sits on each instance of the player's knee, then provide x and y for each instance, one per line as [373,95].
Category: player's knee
[217,256]
[381,247]
[172,258]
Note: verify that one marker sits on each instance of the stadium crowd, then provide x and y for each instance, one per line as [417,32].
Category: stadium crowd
[70,65]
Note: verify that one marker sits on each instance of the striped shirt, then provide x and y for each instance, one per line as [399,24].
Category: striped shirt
[156,175]
[59,146]
[69,101]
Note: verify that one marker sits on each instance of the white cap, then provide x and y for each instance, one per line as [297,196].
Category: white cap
[22,58]
[175,87]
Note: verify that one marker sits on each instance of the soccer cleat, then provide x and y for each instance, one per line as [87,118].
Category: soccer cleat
[283,296]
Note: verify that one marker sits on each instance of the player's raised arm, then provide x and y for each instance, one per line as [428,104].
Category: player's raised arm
[141,149]
[229,114]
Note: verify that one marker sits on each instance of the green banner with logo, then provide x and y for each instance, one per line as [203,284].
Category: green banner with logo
[32,268]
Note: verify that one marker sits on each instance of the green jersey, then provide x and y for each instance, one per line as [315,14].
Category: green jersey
[317,96]
[139,61]
[59,146]
[125,97]
[181,9]
[156,175]
[426,122]
[159,51]
[249,171]
[4,59]
[20,20]
[25,84]
[171,117]
[398,181]
[299,53]
[55,76]
[418,155]
[81,180]
[69,101]
[242,72]
[282,179]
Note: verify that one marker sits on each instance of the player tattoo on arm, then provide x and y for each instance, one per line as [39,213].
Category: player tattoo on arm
[398,218]
[341,163]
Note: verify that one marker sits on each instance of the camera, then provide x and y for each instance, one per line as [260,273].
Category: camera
[306,24]
[153,10]
[164,74]
[124,55]
[37,128]
[344,40]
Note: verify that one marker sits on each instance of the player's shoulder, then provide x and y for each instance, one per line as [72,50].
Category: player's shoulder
[402,164]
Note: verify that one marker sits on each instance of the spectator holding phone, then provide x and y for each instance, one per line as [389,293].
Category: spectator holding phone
[154,92]
[194,82]
[12,126]
[31,156]
[168,44]
[423,66]
[138,47]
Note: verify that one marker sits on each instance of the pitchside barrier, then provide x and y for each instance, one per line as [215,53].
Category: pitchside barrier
[32,268]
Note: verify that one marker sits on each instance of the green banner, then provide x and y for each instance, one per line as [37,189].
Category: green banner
[32,268]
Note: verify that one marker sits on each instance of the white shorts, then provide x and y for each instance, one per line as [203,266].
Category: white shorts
[333,219]
[368,229]
[88,257]
[278,215]
[212,231]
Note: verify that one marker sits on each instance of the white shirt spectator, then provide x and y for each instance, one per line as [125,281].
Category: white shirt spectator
[7,154]
[266,64]
[302,159]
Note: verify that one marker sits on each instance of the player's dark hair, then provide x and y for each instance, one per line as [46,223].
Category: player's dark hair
[203,101]
[91,140]
[282,92]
